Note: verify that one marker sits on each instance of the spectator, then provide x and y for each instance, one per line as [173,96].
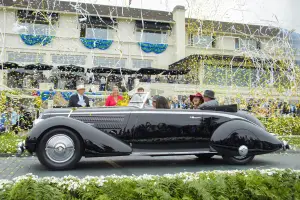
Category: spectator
[197,100]
[140,90]
[162,103]
[298,109]
[285,109]
[90,78]
[209,99]
[102,83]
[79,99]
[130,83]
[113,99]
[149,78]
[154,99]
[157,79]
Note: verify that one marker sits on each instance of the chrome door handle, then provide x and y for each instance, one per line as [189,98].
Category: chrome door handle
[193,117]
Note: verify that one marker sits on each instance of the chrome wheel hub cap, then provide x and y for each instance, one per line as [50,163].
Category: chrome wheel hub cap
[60,148]
[243,151]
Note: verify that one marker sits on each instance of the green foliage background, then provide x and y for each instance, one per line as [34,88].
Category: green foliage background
[247,185]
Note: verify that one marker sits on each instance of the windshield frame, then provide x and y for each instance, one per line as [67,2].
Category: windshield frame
[133,103]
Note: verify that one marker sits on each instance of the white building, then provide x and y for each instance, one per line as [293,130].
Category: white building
[71,24]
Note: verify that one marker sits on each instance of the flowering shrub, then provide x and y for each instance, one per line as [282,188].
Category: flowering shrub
[251,184]
[294,142]
[9,142]
[282,125]
[125,100]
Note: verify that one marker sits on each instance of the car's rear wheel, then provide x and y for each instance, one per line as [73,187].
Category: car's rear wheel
[204,156]
[59,149]
[238,160]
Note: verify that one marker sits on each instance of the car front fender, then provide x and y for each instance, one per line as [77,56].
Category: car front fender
[229,137]
[95,141]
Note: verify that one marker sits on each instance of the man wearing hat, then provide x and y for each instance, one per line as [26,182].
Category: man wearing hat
[209,99]
[79,100]
[197,100]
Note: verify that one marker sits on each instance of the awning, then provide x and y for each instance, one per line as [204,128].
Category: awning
[101,70]
[150,71]
[176,72]
[70,68]
[97,21]
[117,71]
[152,25]
[188,61]
[38,66]
[33,16]
[123,71]
[10,65]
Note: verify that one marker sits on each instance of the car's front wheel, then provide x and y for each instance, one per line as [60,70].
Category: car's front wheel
[238,160]
[59,149]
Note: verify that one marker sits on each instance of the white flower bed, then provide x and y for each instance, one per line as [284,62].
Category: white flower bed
[72,183]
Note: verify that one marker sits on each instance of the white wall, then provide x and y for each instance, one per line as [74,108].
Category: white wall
[67,41]
[284,13]
[225,42]
[124,45]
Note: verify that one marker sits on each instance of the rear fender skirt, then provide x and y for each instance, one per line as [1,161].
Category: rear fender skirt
[95,141]
[227,139]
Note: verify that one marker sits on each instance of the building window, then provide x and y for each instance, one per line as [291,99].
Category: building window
[94,32]
[37,23]
[240,76]
[247,44]
[237,43]
[152,32]
[97,27]
[36,29]
[68,59]
[109,62]
[215,75]
[201,41]
[25,57]
[139,63]
[227,76]
[154,37]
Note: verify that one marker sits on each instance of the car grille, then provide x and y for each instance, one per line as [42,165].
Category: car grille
[93,119]
[102,122]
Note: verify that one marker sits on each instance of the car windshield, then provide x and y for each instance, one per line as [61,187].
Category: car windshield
[138,99]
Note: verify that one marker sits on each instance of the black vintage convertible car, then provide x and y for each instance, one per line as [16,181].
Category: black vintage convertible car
[60,137]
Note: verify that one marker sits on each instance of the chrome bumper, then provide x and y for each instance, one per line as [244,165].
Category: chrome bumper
[20,148]
[285,145]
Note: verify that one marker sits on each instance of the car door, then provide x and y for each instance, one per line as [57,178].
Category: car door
[166,129]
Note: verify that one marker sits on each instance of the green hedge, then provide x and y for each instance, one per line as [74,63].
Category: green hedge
[9,142]
[294,142]
[282,125]
[223,185]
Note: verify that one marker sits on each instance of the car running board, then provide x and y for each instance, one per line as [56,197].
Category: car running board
[164,153]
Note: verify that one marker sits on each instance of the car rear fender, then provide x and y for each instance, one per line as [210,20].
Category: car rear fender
[95,141]
[230,136]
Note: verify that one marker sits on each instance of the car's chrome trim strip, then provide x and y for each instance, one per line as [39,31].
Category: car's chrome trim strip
[171,153]
[151,112]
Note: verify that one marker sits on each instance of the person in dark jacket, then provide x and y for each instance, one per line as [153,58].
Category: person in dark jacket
[79,99]
[209,99]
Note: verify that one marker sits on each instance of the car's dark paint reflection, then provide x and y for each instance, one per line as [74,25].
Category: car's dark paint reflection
[161,130]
